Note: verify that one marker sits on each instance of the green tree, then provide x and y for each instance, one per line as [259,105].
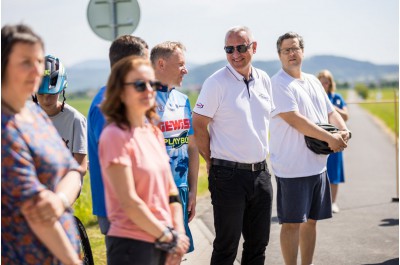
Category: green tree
[361,90]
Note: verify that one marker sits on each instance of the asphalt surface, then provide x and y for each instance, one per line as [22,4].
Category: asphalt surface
[364,232]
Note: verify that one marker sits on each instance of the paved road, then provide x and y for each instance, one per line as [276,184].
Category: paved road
[365,232]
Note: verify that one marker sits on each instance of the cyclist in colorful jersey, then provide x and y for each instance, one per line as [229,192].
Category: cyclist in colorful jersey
[173,107]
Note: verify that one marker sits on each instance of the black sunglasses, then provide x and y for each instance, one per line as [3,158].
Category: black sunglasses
[240,48]
[141,85]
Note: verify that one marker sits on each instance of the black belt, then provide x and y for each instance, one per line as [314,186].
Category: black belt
[261,166]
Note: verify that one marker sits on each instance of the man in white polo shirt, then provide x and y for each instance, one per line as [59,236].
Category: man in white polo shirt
[303,192]
[236,103]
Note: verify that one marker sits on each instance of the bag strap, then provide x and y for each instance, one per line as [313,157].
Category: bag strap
[309,96]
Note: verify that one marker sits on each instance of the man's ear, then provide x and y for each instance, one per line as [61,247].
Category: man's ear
[161,64]
[254,45]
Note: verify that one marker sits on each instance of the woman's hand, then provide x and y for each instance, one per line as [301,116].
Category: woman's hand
[173,259]
[182,244]
[181,248]
[46,208]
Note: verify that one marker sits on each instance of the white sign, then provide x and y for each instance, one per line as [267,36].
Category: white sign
[112,18]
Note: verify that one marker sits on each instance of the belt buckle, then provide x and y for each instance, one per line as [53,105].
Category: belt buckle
[252,167]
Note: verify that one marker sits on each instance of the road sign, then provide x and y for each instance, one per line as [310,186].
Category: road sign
[112,18]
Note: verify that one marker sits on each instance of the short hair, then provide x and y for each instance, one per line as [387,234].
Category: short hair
[238,29]
[112,107]
[289,35]
[327,74]
[165,50]
[13,34]
[126,45]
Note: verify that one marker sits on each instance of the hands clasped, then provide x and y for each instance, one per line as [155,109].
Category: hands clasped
[339,141]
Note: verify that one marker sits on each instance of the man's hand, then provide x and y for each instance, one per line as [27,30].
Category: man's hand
[46,208]
[345,135]
[336,143]
[191,205]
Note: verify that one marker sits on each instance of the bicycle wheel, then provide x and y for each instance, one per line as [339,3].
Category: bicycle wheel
[85,243]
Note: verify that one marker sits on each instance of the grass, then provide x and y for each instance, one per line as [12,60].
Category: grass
[384,110]
[343,93]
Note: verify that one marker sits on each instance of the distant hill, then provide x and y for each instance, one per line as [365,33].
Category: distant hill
[343,69]
[88,75]
[91,75]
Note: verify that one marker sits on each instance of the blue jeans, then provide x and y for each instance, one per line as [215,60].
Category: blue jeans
[242,204]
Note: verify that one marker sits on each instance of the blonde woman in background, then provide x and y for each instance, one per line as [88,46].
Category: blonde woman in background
[335,160]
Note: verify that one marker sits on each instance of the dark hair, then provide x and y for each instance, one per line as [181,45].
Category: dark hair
[113,107]
[126,45]
[289,35]
[12,34]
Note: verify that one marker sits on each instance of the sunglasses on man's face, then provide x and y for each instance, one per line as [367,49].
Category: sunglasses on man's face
[141,85]
[240,48]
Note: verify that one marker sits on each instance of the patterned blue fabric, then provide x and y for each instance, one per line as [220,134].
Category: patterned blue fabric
[173,107]
[33,158]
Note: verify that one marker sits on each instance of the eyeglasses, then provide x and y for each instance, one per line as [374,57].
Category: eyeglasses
[240,48]
[141,85]
[290,50]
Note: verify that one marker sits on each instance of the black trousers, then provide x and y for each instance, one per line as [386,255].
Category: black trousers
[242,204]
[126,251]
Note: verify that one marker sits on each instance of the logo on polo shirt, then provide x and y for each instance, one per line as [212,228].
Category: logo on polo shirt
[160,108]
[199,105]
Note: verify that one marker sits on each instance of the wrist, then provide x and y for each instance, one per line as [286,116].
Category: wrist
[347,130]
[166,235]
[64,200]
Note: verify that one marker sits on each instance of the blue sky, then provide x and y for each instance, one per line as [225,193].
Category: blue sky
[366,30]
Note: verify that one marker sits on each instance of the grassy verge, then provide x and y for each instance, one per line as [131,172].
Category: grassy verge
[385,111]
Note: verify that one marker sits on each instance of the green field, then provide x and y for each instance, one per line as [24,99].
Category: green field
[388,112]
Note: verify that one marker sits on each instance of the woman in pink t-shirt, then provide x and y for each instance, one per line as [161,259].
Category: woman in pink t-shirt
[141,196]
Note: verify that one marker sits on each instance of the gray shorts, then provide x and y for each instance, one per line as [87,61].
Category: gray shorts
[300,199]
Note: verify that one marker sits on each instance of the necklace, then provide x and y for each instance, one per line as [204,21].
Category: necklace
[8,107]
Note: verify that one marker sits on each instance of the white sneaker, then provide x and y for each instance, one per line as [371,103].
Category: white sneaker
[335,208]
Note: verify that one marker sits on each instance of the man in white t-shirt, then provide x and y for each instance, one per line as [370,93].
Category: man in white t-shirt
[236,103]
[303,193]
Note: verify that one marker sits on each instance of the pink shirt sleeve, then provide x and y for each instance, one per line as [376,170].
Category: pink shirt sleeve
[113,147]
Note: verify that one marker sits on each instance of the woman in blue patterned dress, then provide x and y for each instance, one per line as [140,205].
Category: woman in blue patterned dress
[39,176]
[335,160]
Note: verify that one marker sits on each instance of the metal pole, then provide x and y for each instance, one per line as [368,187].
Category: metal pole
[114,18]
[396,130]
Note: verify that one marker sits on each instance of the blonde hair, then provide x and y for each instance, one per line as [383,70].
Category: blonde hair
[327,74]
[165,50]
